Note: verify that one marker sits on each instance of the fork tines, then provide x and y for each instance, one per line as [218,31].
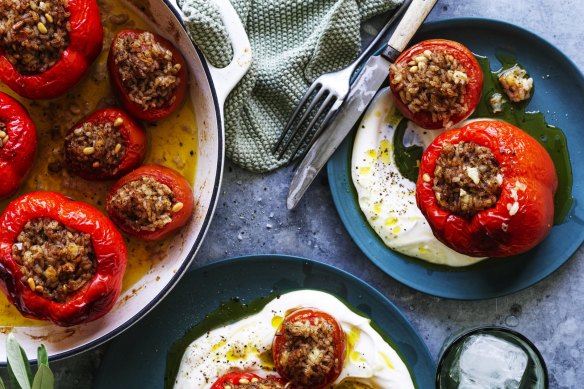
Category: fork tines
[316,108]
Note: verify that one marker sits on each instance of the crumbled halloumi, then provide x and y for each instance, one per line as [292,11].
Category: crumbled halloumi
[496,102]
[473,174]
[516,83]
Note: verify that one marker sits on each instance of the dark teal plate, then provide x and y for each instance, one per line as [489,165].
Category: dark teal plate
[559,94]
[137,358]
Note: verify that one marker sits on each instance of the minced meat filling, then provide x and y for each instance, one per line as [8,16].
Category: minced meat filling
[467,178]
[34,33]
[254,383]
[143,204]
[308,352]
[433,82]
[97,148]
[3,135]
[55,261]
[147,70]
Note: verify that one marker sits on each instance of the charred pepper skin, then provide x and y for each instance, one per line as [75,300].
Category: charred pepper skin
[133,135]
[177,183]
[85,44]
[94,299]
[17,156]
[529,179]
[152,114]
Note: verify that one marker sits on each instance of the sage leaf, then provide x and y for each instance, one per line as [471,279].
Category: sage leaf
[42,356]
[43,378]
[11,379]
[2,384]
[27,364]
[18,362]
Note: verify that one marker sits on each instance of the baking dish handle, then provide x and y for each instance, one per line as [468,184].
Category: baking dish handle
[225,79]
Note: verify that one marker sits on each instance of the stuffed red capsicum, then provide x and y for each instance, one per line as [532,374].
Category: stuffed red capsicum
[151,202]
[18,142]
[487,189]
[50,46]
[436,83]
[107,144]
[60,260]
[149,74]
[241,379]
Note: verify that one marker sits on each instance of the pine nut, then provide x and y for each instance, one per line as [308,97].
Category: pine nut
[42,28]
[177,207]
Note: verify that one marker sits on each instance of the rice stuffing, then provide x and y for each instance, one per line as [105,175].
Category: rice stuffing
[467,178]
[143,204]
[432,82]
[34,34]
[3,135]
[92,147]
[55,261]
[147,70]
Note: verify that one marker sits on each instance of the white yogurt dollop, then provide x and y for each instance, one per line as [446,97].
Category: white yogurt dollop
[388,199]
[246,345]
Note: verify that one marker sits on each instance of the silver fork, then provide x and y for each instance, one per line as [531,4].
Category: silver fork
[329,92]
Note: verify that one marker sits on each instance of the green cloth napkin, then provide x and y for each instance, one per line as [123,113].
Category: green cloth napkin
[293,42]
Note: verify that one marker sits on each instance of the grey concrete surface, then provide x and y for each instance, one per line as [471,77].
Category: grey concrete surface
[252,218]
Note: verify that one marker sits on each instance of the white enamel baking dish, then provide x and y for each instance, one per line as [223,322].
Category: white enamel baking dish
[209,87]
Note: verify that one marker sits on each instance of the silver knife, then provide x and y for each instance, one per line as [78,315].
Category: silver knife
[374,73]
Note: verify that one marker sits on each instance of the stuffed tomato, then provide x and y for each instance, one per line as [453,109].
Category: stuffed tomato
[148,73]
[105,145]
[151,202]
[436,83]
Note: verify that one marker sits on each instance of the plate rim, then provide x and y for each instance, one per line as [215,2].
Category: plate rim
[340,274]
[337,190]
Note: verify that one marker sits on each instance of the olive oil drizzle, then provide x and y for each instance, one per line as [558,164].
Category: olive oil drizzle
[232,311]
[228,312]
[407,159]
[551,138]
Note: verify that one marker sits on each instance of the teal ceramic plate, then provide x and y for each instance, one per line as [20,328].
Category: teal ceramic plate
[137,359]
[559,94]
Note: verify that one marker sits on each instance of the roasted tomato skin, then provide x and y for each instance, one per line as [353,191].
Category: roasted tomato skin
[17,156]
[311,315]
[136,110]
[133,135]
[465,57]
[85,44]
[233,378]
[94,299]
[182,192]
[528,173]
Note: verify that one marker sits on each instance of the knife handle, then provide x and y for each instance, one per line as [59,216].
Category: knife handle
[407,27]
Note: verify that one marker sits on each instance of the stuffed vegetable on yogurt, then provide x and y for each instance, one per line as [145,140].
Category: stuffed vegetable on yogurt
[304,339]
[439,187]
